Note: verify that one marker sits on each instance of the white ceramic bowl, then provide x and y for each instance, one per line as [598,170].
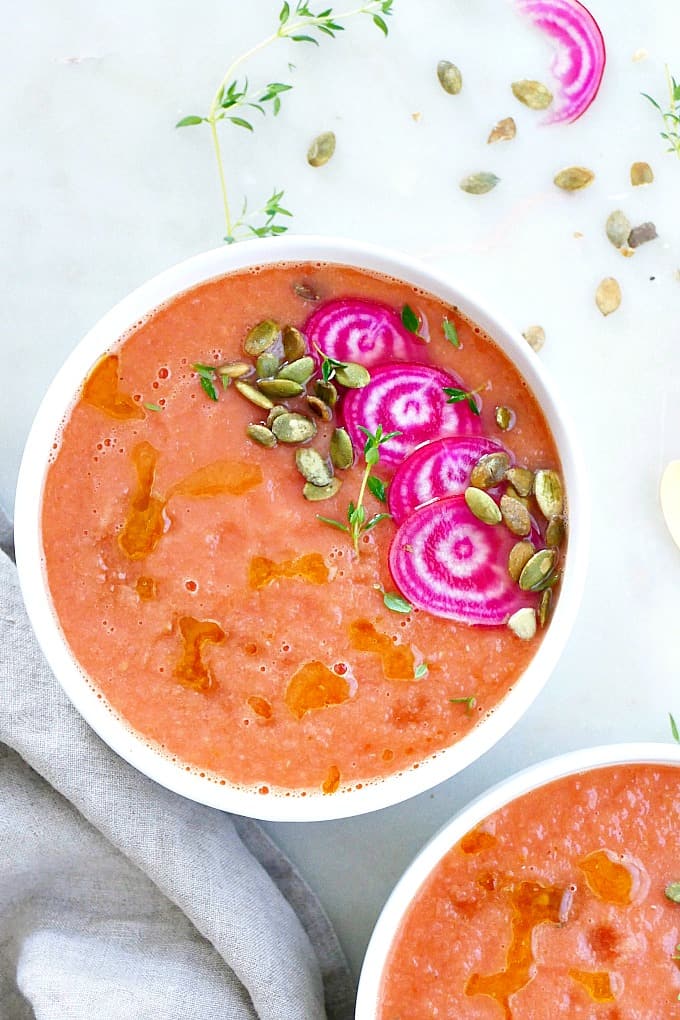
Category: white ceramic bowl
[133,747]
[493,800]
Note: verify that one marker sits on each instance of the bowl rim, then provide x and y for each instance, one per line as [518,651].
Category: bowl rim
[582,761]
[55,406]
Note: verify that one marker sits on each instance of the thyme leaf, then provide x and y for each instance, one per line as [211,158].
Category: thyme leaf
[450,332]
[468,702]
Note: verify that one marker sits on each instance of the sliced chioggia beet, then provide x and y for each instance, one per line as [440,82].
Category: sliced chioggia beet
[366,332]
[448,563]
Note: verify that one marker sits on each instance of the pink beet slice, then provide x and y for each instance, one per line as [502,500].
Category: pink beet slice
[408,398]
[448,563]
[366,332]
[434,470]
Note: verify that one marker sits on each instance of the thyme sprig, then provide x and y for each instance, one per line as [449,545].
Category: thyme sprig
[469,703]
[671,116]
[457,396]
[235,97]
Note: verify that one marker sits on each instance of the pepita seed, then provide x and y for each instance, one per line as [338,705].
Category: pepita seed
[520,554]
[327,392]
[537,570]
[317,406]
[321,149]
[314,493]
[450,78]
[294,346]
[280,389]
[292,427]
[489,470]
[479,184]
[504,130]
[618,228]
[266,365]
[574,178]
[555,532]
[551,580]
[342,452]
[608,295]
[261,434]
[641,173]
[482,505]
[523,623]
[514,494]
[535,337]
[304,291]
[234,369]
[261,338]
[640,235]
[521,479]
[545,607]
[505,418]
[312,466]
[253,395]
[533,94]
[299,370]
[515,515]
[274,413]
[353,376]
[548,493]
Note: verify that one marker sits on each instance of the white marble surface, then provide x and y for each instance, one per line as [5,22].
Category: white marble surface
[99,192]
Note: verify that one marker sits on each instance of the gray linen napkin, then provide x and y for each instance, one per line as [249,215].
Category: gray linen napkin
[121,900]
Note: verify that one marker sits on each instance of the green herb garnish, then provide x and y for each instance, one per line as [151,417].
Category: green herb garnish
[456,396]
[468,702]
[153,407]
[396,603]
[329,366]
[421,670]
[378,488]
[450,332]
[674,729]
[671,116]
[672,892]
[235,97]
[410,320]
[207,375]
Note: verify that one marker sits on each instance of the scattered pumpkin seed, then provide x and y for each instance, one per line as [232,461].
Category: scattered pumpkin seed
[294,346]
[450,78]
[482,505]
[489,470]
[479,184]
[503,131]
[574,178]
[253,395]
[641,173]
[304,291]
[266,365]
[280,389]
[535,337]
[514,494]
[555,532]
[520,554]
[312,466]
[274,413]
[618,228]
[515,515]
[533,94]
[521,479]
[505,418]
[314,493]
[523,623]
[545,607]
[548,493]
[321,410]
[537,570]
[640,235]
[608,295]
[261,338]
[353,376]
[261,434]
[234,369]
[327,392]
[292,427]
[342,451]
[321,149]
[299,371]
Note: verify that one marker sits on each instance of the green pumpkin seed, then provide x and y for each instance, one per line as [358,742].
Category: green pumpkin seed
[555,532]
[512,492]
[504,130]
[532,93]
[535,337]
[327,392]
[261,434]
[261,338]
[353,376]
[314,493]
[608,295]
[294,346]
[320,409]
[515,515]
[521,479]
[299,370]
[641,173]
[545,607]
[342,452]
[304,291]
[293,428]
[280,389]
[618,228]
[548,493]
[313,467]
[267,365]
[274,413]
[489,470]
[479,184]
[523,623]
[574,178]
[450,78]
[253,395]
[505,418]
[482,505]
[234,369]
[520,554]
[321,149]
[537,570]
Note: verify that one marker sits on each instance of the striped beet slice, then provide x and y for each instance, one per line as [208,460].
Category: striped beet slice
[366,332]
[434,470]
[407,398]
[448,563]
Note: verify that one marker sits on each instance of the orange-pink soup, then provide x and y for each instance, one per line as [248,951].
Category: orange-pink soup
[199,641]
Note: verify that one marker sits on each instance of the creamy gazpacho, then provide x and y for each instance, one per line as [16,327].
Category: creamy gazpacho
[566,903]
[303,527]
